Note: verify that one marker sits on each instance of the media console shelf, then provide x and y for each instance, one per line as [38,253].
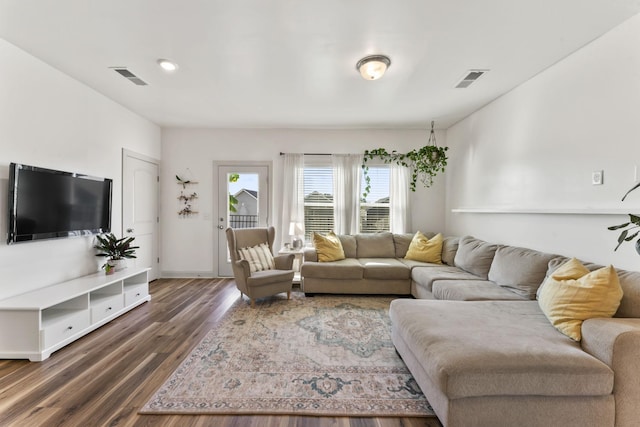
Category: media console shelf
[35,324]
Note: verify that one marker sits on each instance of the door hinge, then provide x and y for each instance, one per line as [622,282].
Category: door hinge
[158,260]
[157,219]
[158,178]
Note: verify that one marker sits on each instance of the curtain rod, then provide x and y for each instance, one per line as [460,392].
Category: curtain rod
[308,154]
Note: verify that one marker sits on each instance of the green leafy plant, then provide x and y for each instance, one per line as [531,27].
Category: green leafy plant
[628,227]
[425,163]
[113,248]
[233,202]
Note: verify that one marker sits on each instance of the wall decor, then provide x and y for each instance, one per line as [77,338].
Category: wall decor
[186,197]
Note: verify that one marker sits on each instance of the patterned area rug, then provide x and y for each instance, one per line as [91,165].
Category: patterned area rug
[325,355]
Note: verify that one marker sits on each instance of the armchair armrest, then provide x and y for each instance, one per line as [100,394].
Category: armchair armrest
[284,262]
[241,270]
[616,342]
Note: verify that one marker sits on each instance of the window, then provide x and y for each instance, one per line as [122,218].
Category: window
[318,198]
[374,211]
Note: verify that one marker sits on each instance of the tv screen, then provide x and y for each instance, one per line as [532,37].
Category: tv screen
[47,204]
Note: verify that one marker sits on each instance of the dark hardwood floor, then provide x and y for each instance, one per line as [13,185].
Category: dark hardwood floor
[105,377]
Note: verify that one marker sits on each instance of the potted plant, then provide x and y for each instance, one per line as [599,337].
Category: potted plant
[632,224]
[116,250]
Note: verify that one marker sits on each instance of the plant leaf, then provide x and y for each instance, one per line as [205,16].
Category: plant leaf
[617,227]
[627,193]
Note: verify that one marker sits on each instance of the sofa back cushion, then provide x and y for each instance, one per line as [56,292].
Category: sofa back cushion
[375,245]
[475,256]
[629,282]
[520,270]
[348,245]
[449,249]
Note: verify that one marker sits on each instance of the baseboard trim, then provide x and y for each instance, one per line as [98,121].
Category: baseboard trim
[187,274]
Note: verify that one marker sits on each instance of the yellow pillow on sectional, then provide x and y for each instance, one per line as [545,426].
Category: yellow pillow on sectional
[425,250]
[573,294]
[329,247]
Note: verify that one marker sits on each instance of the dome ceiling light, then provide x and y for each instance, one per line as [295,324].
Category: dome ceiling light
[167,65]
[373,67]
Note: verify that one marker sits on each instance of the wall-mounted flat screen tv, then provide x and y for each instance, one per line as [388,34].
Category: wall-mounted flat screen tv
[48,204]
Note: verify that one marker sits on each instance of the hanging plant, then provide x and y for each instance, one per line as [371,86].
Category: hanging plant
[425,163]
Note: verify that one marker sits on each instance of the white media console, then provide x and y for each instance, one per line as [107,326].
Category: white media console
[35,324]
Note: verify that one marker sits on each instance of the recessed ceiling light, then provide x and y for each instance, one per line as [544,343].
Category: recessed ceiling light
[167,65]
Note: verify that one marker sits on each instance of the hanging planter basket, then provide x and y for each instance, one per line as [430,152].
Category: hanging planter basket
[425,163]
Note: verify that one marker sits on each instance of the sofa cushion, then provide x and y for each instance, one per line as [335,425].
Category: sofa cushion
[475,256]
[375,245]
[425,249]
[412,263]
[520,270]
[573,294]
[472,290]
[348,268]
[348,245]
[329,247]
[425,276]
[496,348]
[630,303]
[384,268]
[449,249]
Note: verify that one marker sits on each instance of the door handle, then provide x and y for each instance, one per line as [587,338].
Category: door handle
[129,230]
[221,227]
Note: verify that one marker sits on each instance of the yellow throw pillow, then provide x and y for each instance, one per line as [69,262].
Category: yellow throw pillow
[329,247]
[573,294]
[425,250]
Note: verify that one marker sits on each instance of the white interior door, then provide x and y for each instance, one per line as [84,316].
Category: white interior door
[243,202]
[140,208]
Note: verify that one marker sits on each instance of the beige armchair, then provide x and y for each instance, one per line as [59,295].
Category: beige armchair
[258,284]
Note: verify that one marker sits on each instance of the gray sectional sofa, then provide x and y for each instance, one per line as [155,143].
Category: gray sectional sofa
[478,344]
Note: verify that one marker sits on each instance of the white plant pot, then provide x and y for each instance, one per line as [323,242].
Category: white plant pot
[118,264]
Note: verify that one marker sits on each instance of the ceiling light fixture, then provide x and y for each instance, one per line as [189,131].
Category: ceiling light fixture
[373,67]
[167,65]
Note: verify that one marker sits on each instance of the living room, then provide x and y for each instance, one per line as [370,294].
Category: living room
[520,167]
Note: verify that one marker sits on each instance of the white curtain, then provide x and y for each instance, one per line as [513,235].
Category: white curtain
[346,192]
[292,196]
[399,209]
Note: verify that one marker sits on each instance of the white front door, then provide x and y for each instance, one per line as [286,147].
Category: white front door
[140,208]
[243,202]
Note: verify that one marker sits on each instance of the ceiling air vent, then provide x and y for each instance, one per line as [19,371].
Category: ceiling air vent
[124,72]
[470,77]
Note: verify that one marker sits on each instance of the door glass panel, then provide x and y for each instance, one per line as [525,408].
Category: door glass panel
[243,207]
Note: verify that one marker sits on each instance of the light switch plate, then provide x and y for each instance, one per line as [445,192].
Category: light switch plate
[597,177]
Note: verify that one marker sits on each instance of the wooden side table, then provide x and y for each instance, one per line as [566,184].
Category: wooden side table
[297,261]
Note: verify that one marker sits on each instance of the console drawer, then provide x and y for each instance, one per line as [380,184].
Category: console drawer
[136,293]
[64,326]
[106,307]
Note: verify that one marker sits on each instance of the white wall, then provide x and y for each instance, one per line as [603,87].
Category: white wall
[48,119]
[189,245]
[536,147]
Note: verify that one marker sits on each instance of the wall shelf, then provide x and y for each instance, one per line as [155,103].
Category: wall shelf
[545,211]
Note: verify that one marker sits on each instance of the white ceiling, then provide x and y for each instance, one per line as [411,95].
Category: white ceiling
[291,63]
